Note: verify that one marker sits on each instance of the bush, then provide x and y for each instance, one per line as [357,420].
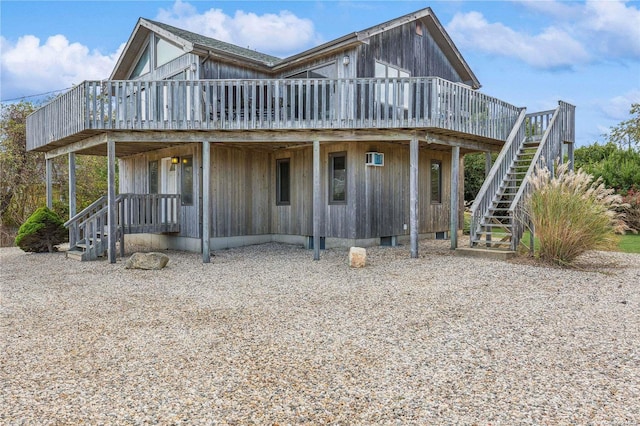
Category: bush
[42,232]
[631,209]
[572,214]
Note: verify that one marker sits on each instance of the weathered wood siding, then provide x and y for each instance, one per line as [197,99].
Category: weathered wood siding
[297,217]
[134,179]
[240,191]
[216,70]
[377,197]
[403,48]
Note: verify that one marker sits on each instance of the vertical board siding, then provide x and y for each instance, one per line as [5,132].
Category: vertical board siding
[240,192]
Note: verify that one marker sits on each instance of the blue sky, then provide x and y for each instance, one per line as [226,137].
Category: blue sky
[529,53]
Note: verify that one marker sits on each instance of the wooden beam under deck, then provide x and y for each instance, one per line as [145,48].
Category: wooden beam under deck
[135,142]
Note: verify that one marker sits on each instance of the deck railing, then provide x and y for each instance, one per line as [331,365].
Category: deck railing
[279,104]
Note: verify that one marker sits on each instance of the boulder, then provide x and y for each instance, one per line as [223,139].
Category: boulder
[357,257]
[151,260]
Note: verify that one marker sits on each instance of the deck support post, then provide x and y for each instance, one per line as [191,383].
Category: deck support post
[72,185]
[111,200]
[414,149]
[455,173]
[72,197]
[487,163]
[49,178]
[570,155]
[317,201]
[206,204]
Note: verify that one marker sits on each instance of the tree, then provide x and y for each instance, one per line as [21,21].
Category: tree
[21,181]
[627,133]
[22,176]
[474,173]
[41,232]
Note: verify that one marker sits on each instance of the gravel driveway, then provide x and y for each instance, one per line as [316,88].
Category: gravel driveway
[265,335]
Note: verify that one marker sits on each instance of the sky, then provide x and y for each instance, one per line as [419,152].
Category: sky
[530,53]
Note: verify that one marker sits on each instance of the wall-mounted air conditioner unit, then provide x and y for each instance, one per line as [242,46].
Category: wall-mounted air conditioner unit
[374,159]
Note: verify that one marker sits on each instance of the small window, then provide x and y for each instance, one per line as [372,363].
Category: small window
[419,28]
[142,67]
[186,181]
[153,177]
[436,181]
[283,182]
[338,178]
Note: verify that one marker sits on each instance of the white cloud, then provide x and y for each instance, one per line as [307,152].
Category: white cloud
[551,48]
[612,27]
[277,34]
[618,107]
[30,66]
[576,34]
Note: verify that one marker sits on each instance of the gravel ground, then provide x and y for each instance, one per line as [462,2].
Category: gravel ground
[265,335]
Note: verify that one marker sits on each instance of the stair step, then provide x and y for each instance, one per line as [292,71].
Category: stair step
[492,242]
[75,255]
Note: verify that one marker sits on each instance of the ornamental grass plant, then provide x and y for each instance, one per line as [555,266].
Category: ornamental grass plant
[571,214]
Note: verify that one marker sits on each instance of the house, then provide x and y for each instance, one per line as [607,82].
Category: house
[358,141]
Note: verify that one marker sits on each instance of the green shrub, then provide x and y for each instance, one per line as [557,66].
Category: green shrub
[42,232]
[572,214]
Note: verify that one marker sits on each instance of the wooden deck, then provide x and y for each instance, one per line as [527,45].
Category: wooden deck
[286,104]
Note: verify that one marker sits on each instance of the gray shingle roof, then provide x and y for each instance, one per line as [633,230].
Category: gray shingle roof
[212,43]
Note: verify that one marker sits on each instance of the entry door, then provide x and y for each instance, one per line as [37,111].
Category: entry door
[169,184]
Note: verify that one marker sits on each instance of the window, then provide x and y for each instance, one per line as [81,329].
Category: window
[436,181]
[283,182]
[153,177]
[186,181]
[386,94]
[338,178]
[166,52]
[142,67]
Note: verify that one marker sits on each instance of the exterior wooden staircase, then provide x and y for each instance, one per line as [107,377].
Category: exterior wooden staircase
[136,213]
[498,216]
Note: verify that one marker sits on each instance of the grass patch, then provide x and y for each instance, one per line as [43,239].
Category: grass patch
[629,243]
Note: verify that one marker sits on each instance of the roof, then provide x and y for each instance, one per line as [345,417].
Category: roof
[213,44]
[203,45]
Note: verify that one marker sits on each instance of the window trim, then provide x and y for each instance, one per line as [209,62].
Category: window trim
[332,156]
[439,200]
[279,200]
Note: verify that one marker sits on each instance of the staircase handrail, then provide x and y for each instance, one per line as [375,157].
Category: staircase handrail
[546,154]
[84,212]
[483,199]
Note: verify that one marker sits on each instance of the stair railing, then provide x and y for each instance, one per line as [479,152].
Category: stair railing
[559,129]
[74,223]
[491,185]
[136,213]
[91,232]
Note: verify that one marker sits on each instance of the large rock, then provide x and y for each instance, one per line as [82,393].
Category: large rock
[151,260]
[357,257]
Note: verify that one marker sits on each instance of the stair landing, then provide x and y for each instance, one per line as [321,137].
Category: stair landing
[485,253]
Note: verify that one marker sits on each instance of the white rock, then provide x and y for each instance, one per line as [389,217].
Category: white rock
[357,257]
